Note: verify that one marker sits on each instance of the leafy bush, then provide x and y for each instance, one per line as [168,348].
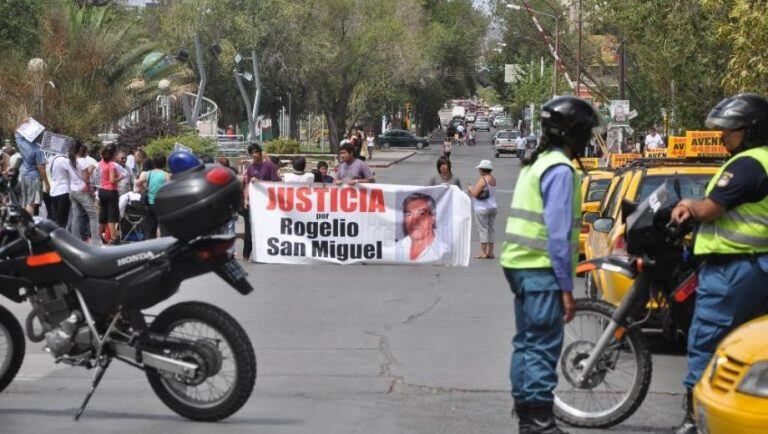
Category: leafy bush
[199,146]
[282,146]
[144,131]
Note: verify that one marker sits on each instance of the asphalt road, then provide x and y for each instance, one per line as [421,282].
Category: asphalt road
[357,349]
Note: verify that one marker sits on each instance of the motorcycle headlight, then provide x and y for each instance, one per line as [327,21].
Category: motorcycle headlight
[756,381]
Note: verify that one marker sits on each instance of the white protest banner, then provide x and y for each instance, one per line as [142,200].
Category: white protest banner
[372,223]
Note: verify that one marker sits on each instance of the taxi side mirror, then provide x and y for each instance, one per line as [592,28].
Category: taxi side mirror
[603,225]
[590,217]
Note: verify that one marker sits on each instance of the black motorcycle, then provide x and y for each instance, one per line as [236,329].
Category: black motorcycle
[87,301]
[605,367]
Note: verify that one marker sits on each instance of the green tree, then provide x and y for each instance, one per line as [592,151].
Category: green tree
[743,28]
[92,60]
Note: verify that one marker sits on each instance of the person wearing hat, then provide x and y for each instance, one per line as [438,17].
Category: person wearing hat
[485,207]
[540,255]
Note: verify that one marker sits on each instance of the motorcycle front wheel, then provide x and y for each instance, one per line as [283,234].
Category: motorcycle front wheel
[619,381]
[226,358]
[12,349]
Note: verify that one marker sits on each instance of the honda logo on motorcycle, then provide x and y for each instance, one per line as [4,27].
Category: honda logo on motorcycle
[135,258]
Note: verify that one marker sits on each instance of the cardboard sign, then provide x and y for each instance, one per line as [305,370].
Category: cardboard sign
[619,160]
[705,144]
[589,163]
[377,223]
[676,147]
[656,153]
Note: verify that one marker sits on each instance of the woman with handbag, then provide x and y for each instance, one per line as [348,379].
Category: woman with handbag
[485,207]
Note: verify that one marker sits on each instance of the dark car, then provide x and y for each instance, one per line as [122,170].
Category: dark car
[402,138]
[532,141]
[453,127]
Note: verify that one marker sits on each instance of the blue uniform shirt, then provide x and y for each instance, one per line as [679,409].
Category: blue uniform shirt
[557,192]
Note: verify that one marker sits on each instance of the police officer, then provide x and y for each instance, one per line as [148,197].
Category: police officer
[733,237]
[540,255]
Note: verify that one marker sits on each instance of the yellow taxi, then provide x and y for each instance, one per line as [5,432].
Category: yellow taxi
[593,188]
[732,396]
[635,182]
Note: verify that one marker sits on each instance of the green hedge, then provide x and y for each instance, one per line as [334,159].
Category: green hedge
[282,146]
[199,146]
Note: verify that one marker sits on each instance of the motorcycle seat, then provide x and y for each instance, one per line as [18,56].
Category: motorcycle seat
[93,261]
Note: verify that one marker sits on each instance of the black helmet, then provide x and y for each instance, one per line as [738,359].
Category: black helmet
[746,111]
[571,120]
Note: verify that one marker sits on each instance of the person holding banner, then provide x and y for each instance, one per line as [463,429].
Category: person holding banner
[732,238]
[260,169]
[540,256]
[352,170]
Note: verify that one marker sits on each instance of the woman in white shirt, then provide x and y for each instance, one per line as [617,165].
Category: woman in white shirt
[79,171]
[59,176]
[298,174]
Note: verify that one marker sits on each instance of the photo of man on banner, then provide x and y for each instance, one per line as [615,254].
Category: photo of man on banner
[419,237]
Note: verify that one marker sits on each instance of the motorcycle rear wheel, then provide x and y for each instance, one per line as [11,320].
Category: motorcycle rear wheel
[613,393]
[235,367]
[12,347]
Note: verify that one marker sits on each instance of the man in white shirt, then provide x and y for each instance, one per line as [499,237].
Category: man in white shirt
[653,140]
[421,244]
[298,174]
[520,143]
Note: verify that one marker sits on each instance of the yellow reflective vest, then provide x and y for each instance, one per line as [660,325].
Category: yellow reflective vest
[742,229]
[526,245]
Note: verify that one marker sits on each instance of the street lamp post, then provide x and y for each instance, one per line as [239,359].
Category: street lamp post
[557,41]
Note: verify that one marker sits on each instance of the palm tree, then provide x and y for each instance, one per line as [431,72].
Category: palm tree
[92,71]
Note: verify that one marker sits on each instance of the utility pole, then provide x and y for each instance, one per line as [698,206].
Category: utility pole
[622,78]
[578,58]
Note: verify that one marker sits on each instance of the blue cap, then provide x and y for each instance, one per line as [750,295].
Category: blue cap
[179,161]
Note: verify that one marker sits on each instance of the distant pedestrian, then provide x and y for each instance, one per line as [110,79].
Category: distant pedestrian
[109,209]
[653,140]
[81,196]
[447,148]
[60,202]
[230,132]
[485,207]
[370,143]
[322,169]
[520,144]
[32,174]
[151,181]
[352,170]
[260,169]
[298,174]
[444,174]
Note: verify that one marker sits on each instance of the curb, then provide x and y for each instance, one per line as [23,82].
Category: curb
[384,165]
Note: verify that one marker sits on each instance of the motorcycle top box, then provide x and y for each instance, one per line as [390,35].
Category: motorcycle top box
[198,201]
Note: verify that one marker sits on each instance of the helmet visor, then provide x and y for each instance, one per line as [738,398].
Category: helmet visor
[717,123]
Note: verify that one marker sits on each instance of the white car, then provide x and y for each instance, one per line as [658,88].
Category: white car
[470,117]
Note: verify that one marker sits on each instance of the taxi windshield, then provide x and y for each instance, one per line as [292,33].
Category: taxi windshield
[691,186]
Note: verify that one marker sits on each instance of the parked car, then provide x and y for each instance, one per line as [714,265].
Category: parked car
[482,123]
[593,189]
[532,141]
[501,120]
[470,117]
[402,138]
[454,125]
[505,124]
[504,142]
